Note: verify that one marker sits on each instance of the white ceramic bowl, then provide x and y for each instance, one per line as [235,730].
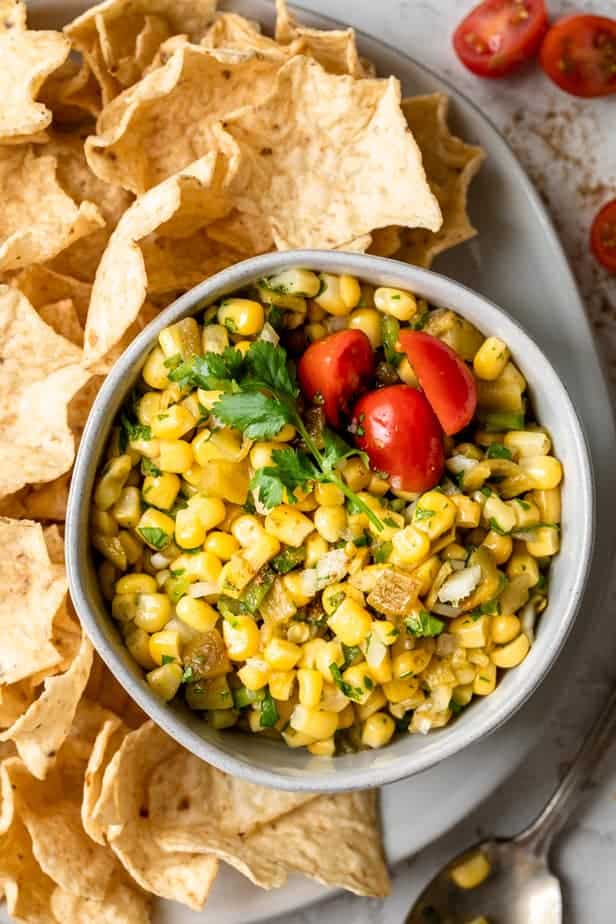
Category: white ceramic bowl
[271,763]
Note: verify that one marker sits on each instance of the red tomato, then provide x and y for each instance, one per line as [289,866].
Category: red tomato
[498,36]
[336,368]
[603,236]
[579,54]
[446,379]
[397,428]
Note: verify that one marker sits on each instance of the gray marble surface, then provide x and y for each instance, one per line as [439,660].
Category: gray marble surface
[568,147]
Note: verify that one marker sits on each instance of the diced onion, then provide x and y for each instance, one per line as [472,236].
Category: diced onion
[526,535]
[161,576]
[335,323]
[269,334]
[460,463]
[203,589]
[528,617]
[375,652]
[460,585]
[441,697]
[448,487]
[458,564]
[422,724]
[158,561]
[446,644]
[331,568]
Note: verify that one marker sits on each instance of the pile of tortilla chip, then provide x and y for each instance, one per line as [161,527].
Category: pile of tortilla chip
[147,146]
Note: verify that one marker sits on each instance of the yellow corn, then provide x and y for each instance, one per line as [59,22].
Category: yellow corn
[375,701]
[328,495]
[182,338]
[473,870]
[491,359]
[208,694]
[310,687]
[281,684]
[241,316]
[327,654]
[107,576]
[215,339]
[154,370]
[401,690]
[241,636]
[378,730]
[407,374]
[358,678]
[111,548]
[316,547]
[133,548]
[350,622]
[411,545]
[282,655]
[175,456]
[526,512]
[103,523]
[499,515]
[254,674]
[153,612]
[521,563]
[513,653]
[197,614]
[165,644]
[148,406]
[111,482]
[410,663]
[161,490]
[318,723]
[368,321]
[223,545]
[330,522]
[524,443]
[295,587]
[356,474]
[385,631]
[165,681]
[189,531]
[545,472]
[505,629]
[202,566]
[331,298]
[324,748]
[499,546]
[401,305]
[124,606]
[138,643]
[136,583]
[247,529]
[485,680]
[549,505]
[434,514]
[156,528]
[288,525]
[315,331]
[470,632]
[546,542]
[172,423]
[469,511]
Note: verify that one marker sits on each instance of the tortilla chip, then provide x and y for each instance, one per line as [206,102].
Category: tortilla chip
[41,731]
[229,30]
[33,591]
[164,123]
[450,166]
[12,16]
[15,699]
[39,375]
[325,160]
[105,690]
[174,265]
[28,58]
[38,219]
[334,839]
[122,904]
[38,501]
[121,812]
[385,241]
[118,37]
[42,285]
[54,540]
[108,742]
[334,49]
[177,207]
[72,93]
[62,317]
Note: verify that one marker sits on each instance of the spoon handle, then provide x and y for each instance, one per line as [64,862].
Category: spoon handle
[540,833]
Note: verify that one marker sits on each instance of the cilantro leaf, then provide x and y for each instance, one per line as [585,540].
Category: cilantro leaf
[390,331]
[382,552]
[288,559]
[422,513]
[495,525]
[335,450]
[269,713]
[268,489]
[258,416]
[213,371]
[168,659]
[352,692]
[267,367]
[148,468]
[154,536]
[135,431]
[291,470]
[497,451]
[424,625]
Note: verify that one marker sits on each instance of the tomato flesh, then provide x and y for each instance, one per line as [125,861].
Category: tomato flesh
[399,431]
[579,55]
[446,379]
[499,36]
[334,370]
[603,236]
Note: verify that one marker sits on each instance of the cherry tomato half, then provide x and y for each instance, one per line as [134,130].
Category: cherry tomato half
[336,368]
[446,379]
[398,429]
[579,55]
[603,236]
[498,36]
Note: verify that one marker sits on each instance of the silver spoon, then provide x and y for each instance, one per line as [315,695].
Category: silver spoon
[519,888]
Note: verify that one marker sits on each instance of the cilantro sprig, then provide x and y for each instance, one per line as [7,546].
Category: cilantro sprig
[261,396]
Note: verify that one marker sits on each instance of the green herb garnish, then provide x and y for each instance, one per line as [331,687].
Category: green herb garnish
[424,625]
[382,552]
[155,536]
[497,451]
[390,332]
[269,714]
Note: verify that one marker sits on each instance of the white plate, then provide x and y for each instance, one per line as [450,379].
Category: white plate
[516,261]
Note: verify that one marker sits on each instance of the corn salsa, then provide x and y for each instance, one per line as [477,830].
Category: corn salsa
[327,514]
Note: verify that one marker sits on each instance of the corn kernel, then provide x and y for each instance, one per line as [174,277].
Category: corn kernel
[242,637]
[469,511]
[223,545]
[499,515]
[474,869]
[521,563]
[356,474]
[328,495]
[282,655]
[318,723]
[138,643]
[378,730]
[156,528]
[385,631]
[375,701]
[395,302]
[215,339]
[485,680]
[513,653]
[208,694]
[500,547]
[310,687]
[434,514]
[161,490]
[153,612]
[359,682]
[407,374]
[189,531]
[545,542]
[175,456]
[523,443]
[505,628]
[154,372]
[103,523]
[545,472]
[401,690]
[197,614]
[165,644]
[148,406]
[351,623]
[330,522]
[288,525]
[133,548]
[316,547]
[330,297]
[113,479]
[136,583]
[262,551]
[410,545]
[172,423]
[241,316]
[324,748]
[470,632]
[202,566]
[368,321]
[548,503]
[281,684]
[254,674]
[165,681]
[124,606]
[127,508]
[491,359]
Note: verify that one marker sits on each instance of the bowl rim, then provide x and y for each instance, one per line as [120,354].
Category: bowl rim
[455,737]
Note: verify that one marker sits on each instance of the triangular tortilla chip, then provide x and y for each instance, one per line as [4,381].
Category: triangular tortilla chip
[28,58]
[42,285]
[33,591]
[40,373]
[334,49]
[450,166]
[37,219]
[163,123]
[325,160]
[38,501]
[62,317]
